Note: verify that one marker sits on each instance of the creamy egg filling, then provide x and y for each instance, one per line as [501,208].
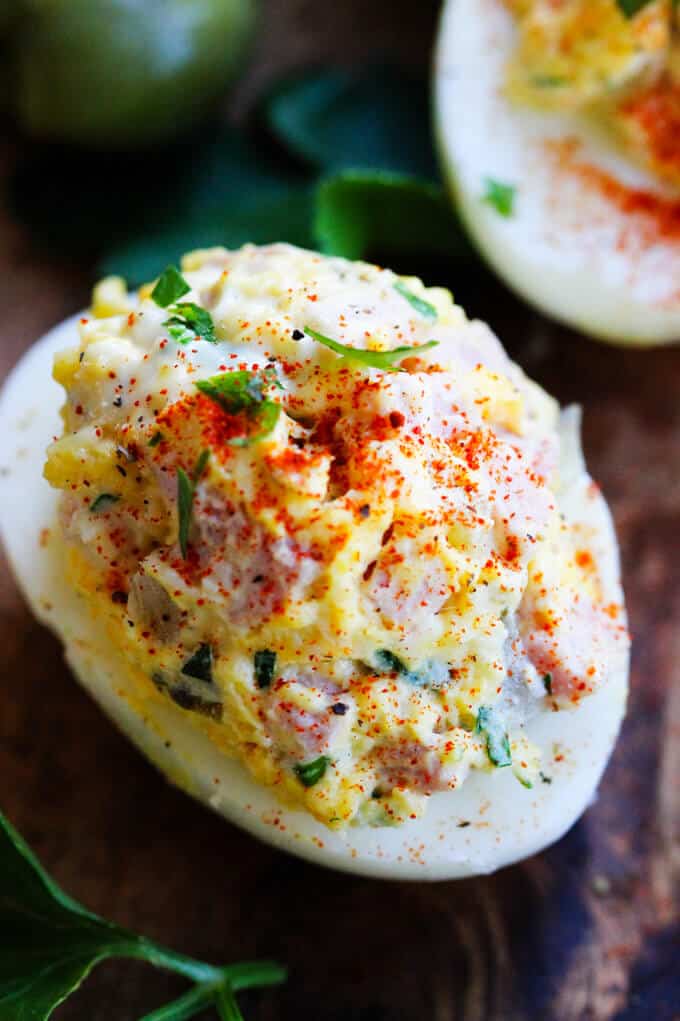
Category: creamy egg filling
[618,61]
[349,570]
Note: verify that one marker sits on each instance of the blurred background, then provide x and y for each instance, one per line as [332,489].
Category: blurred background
[132,131]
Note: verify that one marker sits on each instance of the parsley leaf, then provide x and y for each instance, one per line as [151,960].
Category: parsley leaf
[309,773]
[49,944]
[156,439]
[103,502]
[629,8]
[186,488]
[243,391]
[500,196]
[190,322]
[199,664]
[376,359]
[497,743]
[170,286]
[264,662]
[424,308]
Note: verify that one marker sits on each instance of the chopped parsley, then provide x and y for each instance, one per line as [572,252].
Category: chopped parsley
[156,439]
[491,725]
[390,663]
[433,673]
[500,196]
[199,664]
[243,391]
[629,8]
[424,308]
[548,81]
[375,359]
[547,683]
[309,773]
[170,287]
[264,662]
[190,322]
[103,501]
[186,488]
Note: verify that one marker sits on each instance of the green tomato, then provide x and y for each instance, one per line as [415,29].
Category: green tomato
[122,73]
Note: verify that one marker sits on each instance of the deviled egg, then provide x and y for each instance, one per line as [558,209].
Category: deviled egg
[559,131]
[326,555]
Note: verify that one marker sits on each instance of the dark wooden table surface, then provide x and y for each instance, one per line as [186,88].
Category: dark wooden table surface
[587,930]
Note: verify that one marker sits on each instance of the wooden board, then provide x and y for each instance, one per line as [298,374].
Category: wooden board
[587,930]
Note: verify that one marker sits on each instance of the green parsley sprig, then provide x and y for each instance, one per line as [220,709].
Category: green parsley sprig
[186,489]
[386,360]
[49,944]
[187,321]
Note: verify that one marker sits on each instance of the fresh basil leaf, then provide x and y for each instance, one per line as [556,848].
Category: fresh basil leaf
[49,943]
[170,287]
[103,502]
[363,213]
[629,8]
[242,391]
[422,307]
[375,359]
[377,118]
[309,773]
[264,662]
[199,664]
[186,488]
[501,196]
[491,725]
[190,322]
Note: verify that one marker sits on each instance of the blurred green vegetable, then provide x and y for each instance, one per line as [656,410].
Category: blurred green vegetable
[123,73]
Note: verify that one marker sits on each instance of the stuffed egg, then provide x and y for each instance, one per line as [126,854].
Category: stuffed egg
[559,130]
[327,556]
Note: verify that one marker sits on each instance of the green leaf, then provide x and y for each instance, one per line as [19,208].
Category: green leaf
[190,322]
[156,439]
[375,359]
[186,487]
[49,943]
[309,773]
[103,502]
[361,213]
[500,196]
[199,664]
[547,683]
[629,8]
[377,118]
[422,307]
[264,662]
[242,391]
[490,723]
[170,286]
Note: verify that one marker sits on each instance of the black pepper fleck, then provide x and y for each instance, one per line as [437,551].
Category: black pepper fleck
[297,335]
[339,709]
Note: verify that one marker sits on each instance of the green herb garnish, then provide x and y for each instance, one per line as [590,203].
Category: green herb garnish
[103,501]
[390,663]
[376,359]
[497,744]
[432,673]
[309,773]
[500,196]
[629,8]
[190,322]
[170,287]
[424,308]
[199,664]
[49,944]
[264,662]
[548,81]
[547,683]
[186,488]
[242,391]
[156,439]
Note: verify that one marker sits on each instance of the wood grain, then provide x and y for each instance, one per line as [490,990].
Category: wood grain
[587,930]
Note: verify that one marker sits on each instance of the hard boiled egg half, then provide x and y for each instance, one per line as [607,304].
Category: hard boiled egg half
[380,625]
[558,127]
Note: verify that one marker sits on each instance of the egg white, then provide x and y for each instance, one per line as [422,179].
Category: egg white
[565,248]
[505,822]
